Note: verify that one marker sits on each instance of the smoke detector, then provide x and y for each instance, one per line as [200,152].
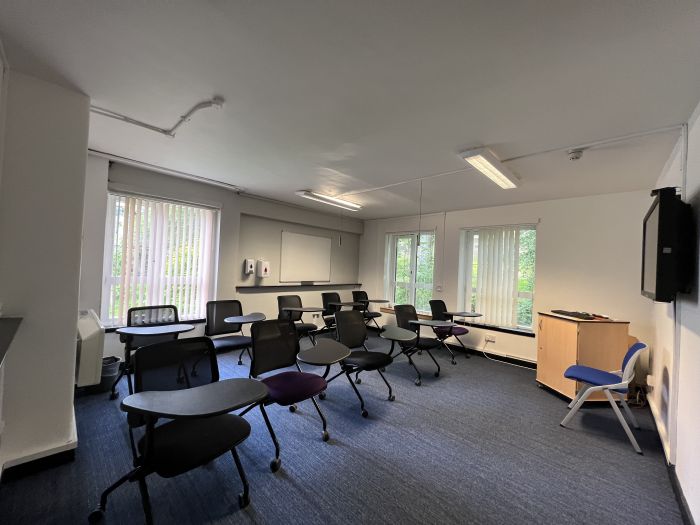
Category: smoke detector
[575,154]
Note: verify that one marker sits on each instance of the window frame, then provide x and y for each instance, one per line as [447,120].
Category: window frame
[110,232]
[390,283]
[466,268]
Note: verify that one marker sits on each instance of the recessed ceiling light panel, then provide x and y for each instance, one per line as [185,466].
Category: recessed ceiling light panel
[327,199]
[488,164]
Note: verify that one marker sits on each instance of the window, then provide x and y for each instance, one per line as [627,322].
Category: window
[497,274]
[409,271]
[157,252]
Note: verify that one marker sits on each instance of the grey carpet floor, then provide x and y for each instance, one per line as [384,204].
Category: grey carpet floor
[479,444]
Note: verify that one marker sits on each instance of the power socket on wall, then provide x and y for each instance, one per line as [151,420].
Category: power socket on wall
[490,338]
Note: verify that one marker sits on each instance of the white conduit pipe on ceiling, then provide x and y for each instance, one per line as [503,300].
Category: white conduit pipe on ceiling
[217,102]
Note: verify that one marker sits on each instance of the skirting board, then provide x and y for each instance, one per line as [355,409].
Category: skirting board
[680,497]
[70,444]
[660,429]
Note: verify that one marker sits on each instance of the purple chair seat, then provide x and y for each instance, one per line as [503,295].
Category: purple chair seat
[288,388]
[444,332]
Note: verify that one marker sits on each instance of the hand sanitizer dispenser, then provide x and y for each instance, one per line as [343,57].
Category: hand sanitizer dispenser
[249,266]
[263,268]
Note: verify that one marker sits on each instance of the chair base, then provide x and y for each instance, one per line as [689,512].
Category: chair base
[584,393]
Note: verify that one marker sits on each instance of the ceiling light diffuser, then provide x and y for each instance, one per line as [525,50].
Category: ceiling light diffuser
[488,164]
[327,199]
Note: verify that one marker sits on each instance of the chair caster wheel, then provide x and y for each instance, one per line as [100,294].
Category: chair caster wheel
[275,464]
[365,413]
[420,352]
[437,374]
[113,396]
[292,408]
[96,516]
[243,500]
[417,382]
[325,436]
[382,369]
[240,362]
[453,361]
[322,395]
[358,381]
[392,397]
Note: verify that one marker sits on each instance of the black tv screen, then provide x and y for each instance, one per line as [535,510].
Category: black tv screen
[669,244]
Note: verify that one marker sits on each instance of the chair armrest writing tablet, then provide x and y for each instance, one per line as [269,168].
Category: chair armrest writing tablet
[208,400]
[326,352]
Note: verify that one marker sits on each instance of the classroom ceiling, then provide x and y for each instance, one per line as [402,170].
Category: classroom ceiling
[345,96]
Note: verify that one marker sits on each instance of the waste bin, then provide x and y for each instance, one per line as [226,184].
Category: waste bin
[110,370]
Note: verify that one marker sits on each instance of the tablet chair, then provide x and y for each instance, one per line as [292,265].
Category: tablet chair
[183,443]
[360,296]
[275,346]
[616,382]
[294,301]
[233,338]
[329,310]
[439,311]
[404,314]
[352,332]
[143,316]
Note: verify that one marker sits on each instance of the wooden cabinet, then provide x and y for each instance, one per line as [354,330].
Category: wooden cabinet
[564,341]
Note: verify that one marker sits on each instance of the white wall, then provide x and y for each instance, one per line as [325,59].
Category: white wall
[588,258]
[676,356]
[41,204]
[94,218]
[264,220]
[260,238]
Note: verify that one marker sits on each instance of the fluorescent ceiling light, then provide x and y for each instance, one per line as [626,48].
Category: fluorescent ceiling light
[487,163]
[327,199]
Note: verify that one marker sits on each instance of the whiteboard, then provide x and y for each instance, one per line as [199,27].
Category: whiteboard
[305,258]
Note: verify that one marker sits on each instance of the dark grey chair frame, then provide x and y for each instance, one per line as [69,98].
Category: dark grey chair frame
[143,316]
[217,311]
[352,332]
[404,314]
[272,353]
[182,356]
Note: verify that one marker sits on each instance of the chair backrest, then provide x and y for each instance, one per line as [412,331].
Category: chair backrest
[274,344]
[438,309]
[150,316]
[330,297]
[405,313]
[360,296]
[217,311]
[630,360]
[175,365]
[351,327]
[288,301]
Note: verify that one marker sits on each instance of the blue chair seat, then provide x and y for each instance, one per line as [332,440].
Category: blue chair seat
[288,388]
[593,376]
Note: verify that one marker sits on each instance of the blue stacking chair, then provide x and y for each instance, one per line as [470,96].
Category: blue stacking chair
[616,382]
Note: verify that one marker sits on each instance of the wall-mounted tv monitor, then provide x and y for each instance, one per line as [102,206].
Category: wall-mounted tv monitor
[669,247]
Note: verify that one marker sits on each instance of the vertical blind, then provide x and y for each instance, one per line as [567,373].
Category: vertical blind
[157,252]
[497,274]
[497,278]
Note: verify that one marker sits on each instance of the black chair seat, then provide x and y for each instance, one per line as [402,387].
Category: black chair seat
[368,360]
[372,315]
[304,328]
[423,343]
[184,444]
[231,342]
